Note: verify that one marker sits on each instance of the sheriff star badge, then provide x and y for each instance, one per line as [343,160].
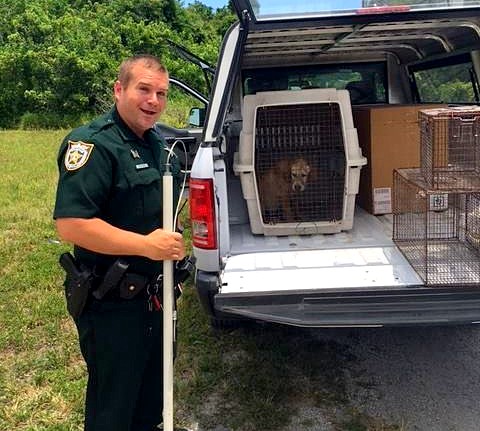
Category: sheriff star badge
[77,154]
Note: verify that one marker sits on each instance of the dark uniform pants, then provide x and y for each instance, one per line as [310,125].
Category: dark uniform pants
[121,342]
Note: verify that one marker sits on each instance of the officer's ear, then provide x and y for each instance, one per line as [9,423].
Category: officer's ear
[117,89]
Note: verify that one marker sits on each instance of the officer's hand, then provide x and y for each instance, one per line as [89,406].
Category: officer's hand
[164,245]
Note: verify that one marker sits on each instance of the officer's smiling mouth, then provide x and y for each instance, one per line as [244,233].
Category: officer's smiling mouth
[151,113]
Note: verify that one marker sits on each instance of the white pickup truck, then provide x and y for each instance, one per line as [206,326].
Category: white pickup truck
[285,116]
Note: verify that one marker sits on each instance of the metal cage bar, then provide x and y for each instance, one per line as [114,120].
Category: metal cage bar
[438,231]
[450,154]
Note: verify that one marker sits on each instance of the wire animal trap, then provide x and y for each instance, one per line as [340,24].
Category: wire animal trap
[450,153]
[437,231]
[299,161]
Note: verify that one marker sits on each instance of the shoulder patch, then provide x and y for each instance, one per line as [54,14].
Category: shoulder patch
[77,154]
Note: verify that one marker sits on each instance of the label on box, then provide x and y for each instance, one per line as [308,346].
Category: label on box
[382,200]
[439,202]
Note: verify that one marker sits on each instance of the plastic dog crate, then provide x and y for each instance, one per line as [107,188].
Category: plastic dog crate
[437,231]
[450,153]
[299,161]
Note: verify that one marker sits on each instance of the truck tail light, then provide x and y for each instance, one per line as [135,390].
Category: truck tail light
[202,213]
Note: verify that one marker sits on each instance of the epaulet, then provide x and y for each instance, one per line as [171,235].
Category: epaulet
[88,131]
[158,134]
[103,122]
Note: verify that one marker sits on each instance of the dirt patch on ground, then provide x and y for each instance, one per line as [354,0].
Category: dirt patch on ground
[282,379]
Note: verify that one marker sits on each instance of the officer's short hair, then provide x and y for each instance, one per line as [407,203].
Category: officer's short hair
[149,61]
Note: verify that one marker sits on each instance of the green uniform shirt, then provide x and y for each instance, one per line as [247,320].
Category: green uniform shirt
[108,172]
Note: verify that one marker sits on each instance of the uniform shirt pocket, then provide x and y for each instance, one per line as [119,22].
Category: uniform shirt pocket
[139,201]
[143,177]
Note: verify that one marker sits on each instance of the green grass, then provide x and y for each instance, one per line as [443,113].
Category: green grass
[254,378]
[41,372]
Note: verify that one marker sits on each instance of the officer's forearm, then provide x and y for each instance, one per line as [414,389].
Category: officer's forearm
[99,236]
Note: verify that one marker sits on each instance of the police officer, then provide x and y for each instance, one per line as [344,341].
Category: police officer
[108,205]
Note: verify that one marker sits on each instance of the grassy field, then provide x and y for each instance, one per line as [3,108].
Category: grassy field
[249,379]
[41,373]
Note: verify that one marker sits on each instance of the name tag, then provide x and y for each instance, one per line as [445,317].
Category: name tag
[141,166]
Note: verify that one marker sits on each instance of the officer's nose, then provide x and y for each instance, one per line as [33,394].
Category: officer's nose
[154,99]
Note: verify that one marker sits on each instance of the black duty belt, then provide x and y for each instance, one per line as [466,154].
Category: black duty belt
[116,283]
[120,283]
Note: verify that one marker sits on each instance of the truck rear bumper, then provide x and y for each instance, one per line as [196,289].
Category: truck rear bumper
[359,308]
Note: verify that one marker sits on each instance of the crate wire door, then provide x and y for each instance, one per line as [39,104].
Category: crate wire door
[310,134]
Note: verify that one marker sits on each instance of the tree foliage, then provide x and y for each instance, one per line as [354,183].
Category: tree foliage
[59,58]
[448,84]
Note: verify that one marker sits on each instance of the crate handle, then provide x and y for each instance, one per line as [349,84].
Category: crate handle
[466,120]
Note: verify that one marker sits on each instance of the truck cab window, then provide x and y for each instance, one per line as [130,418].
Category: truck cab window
[446,83]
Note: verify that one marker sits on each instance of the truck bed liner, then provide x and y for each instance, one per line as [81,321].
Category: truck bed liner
[363,257]
[368,231]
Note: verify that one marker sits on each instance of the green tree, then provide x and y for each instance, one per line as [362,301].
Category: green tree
[58,58]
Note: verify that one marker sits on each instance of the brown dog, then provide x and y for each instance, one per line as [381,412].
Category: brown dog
[279,183]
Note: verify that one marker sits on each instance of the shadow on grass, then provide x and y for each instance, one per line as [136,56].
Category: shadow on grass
[254,377]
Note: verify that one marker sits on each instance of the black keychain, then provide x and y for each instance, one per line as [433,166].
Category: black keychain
[154,302]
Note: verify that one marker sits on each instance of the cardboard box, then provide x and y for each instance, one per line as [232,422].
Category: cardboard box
[389,136]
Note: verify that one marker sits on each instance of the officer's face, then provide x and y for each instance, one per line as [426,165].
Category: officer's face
[143,99]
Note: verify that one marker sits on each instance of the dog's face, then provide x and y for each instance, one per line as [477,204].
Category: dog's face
[299,171]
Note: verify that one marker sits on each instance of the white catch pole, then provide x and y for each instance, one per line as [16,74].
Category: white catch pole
[168,308]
